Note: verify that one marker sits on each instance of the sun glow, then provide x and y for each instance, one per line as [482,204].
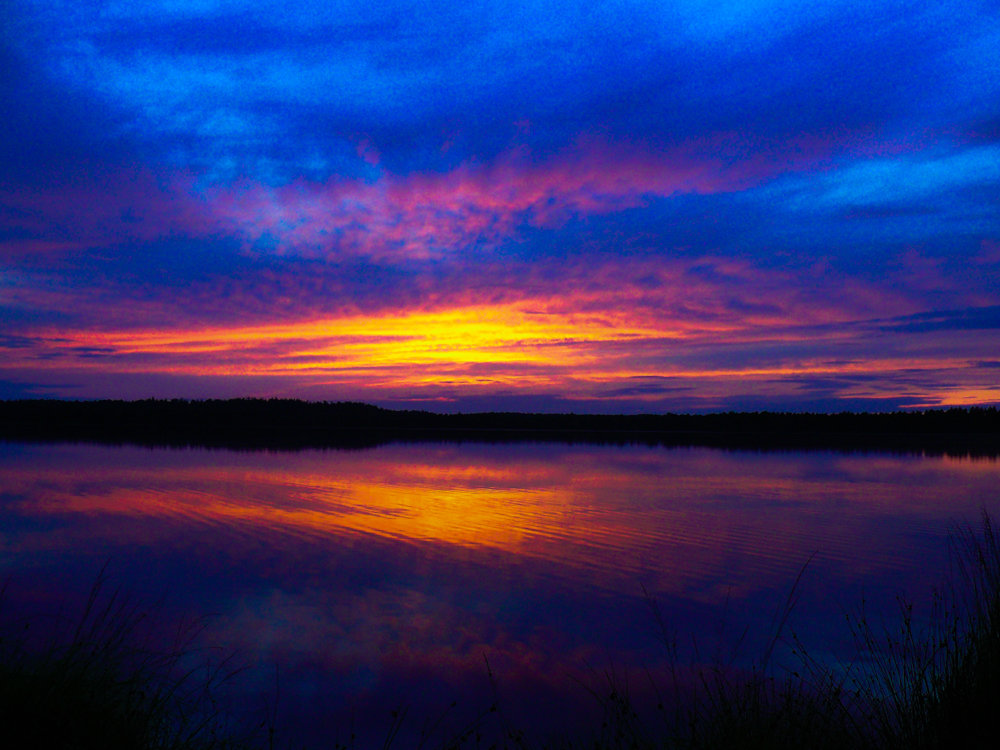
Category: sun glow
[492,335]
[569,346]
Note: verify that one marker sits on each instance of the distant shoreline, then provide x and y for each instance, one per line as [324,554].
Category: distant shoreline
[283,424]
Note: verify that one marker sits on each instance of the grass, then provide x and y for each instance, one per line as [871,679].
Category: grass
[925,680]
[928,679]
[937,683]
[94,683]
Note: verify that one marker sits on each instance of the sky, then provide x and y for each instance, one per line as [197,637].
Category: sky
[460,206]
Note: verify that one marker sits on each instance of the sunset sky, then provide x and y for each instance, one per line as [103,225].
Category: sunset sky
[457,206]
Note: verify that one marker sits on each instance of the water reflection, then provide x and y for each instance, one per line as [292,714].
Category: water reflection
[383,577]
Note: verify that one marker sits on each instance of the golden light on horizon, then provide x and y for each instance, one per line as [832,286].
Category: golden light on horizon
[555,346]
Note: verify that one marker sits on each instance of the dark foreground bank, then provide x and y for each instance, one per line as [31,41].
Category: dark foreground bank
[286,424]
[930,680]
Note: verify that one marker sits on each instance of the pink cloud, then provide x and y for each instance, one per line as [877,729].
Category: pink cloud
[128,204]
[416,215]
[426,215]
[989,253]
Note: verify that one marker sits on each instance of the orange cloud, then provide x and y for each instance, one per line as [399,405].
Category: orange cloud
[518,347]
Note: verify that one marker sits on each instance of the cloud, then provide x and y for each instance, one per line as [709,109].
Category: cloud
[277,93]
[607,205]
[17,342]
[970,319]
[894,184]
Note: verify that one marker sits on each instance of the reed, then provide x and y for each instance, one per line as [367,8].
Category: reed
[929,678]
[926,679]
[98,684]
[933,681]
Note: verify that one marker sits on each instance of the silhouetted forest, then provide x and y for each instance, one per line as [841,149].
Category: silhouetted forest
[286,424]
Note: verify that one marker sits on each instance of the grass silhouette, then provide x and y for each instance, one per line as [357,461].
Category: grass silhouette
[928,679]
[96,684]
[923,680]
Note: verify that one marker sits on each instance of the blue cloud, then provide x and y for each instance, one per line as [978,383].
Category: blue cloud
[969,319]
[903,179]
[288,90]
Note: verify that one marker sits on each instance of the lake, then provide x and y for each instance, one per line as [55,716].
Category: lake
[411,576]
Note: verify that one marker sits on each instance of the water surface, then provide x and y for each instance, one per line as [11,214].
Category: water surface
[370,580]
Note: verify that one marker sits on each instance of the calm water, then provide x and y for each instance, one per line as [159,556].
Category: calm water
[363,581]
